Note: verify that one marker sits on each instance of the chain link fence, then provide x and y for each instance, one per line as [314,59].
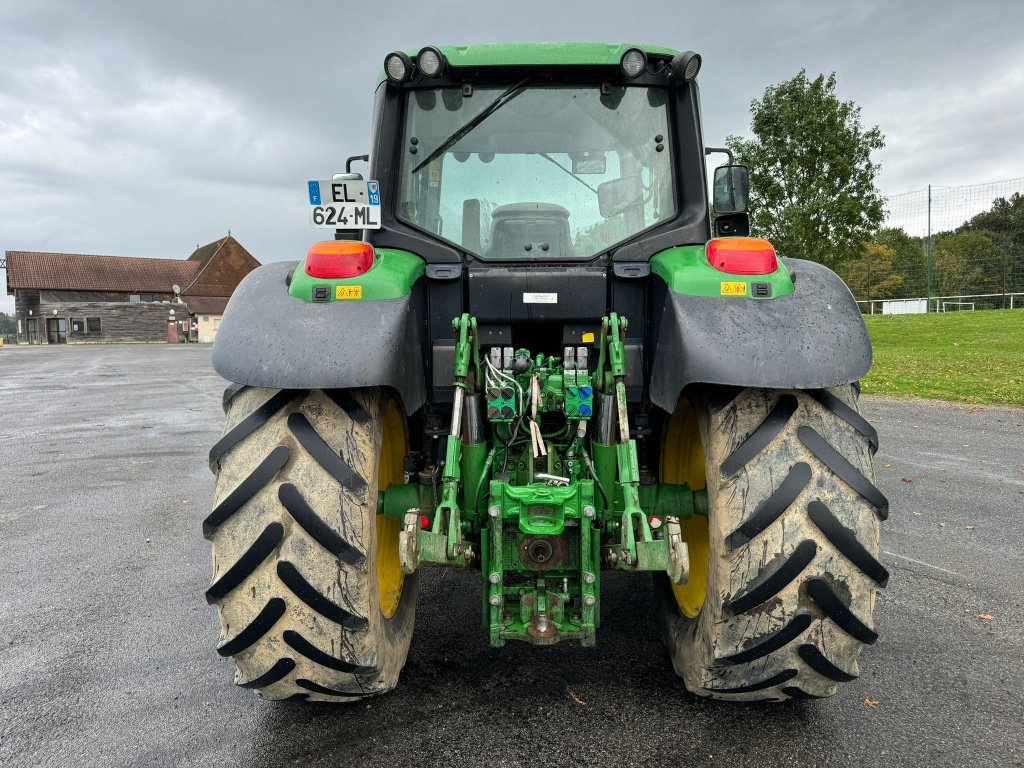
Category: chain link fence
[945,249]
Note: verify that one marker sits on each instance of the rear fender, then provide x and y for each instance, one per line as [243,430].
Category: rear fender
[814,337]
[269,338]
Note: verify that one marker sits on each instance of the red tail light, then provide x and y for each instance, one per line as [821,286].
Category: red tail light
[742,256]
[339,258]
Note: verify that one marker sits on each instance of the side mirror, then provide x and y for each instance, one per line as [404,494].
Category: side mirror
[731,189]
[618,195]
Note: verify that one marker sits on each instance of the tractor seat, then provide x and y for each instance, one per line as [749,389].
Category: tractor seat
[530,231]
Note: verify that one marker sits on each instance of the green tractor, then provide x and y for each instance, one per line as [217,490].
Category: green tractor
[529,349]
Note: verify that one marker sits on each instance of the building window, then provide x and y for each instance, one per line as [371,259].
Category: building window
[92,325]
[136,298]
[206,318]
[19,327]
[77,325]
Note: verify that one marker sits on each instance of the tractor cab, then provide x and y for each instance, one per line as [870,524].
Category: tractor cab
[536,182]
[594,129]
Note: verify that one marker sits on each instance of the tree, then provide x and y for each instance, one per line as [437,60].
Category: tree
[967,263]
[909,260]
[1003,223]
[812,180]
[872,275]
[8,324]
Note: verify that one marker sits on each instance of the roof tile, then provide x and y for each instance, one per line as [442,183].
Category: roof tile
[82,272]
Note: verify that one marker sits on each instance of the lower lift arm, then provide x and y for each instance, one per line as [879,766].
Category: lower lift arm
[638,549]
[443,543]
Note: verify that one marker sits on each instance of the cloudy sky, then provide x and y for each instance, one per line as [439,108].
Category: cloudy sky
[142,128]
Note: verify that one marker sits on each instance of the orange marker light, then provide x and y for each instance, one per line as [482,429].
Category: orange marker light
[339,258]
[742,256]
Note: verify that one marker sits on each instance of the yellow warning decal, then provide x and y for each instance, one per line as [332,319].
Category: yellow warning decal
[348,292]
[734,289]
[588,338]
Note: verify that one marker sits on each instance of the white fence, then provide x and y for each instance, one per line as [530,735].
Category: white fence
[965,303]
[904,307]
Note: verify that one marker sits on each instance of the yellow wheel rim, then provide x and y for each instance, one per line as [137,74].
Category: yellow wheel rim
[394,446]
[682,461]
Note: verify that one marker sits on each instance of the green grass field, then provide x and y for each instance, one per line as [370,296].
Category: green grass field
[970,357]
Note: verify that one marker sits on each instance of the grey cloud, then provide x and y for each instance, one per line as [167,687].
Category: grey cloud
[141,128]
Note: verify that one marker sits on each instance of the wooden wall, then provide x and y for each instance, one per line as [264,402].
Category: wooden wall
[119,321]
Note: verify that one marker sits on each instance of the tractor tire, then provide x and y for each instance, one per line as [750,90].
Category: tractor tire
[784,568]
[306,580]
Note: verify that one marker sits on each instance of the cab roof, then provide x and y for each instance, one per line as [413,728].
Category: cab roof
[539,54]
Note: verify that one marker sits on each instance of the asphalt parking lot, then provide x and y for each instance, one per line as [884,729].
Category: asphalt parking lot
[107,645]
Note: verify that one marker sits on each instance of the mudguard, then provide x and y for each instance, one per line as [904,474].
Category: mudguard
[812,338]
[268,338]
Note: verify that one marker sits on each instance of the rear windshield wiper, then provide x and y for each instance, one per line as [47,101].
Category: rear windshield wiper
[504,98]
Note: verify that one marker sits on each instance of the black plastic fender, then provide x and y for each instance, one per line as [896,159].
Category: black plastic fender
[268,338]
[813,338]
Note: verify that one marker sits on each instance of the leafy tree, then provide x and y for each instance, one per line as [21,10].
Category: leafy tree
[8,324]
[812,180]
[966,262]
[1005,217]
[909,260]
[872,275]
[1003,223]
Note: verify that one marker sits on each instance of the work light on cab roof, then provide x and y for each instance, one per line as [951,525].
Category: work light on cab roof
[398,67]
[430,61]
[685,66]
[634,61]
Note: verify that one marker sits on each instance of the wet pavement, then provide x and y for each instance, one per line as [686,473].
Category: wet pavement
[107,645]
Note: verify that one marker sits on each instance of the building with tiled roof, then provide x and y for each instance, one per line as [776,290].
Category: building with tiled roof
[79,298]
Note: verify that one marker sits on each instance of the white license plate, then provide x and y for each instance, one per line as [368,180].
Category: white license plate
[344,204]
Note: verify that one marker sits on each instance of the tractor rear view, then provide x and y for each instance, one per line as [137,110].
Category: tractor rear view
[529,351]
